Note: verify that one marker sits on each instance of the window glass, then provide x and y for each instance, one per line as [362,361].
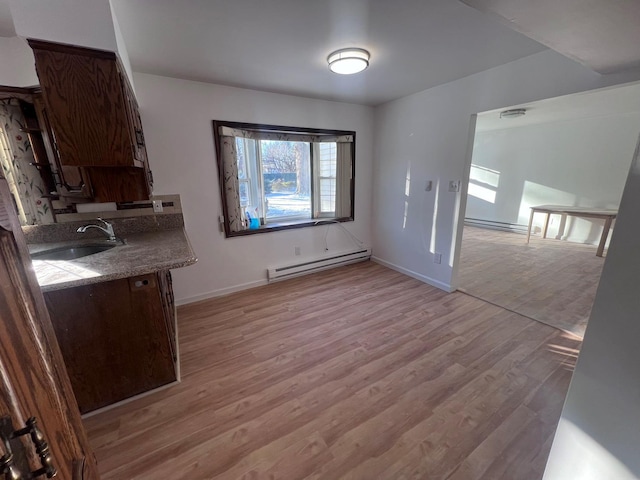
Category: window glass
[286,173]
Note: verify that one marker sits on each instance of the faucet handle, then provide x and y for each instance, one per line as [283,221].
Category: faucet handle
[108,229]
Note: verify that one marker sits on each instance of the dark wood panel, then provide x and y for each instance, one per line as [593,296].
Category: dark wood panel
[71,49]
[72,182]
[117,184]
[86,108]
[166,293]
[113,339]
[33,380]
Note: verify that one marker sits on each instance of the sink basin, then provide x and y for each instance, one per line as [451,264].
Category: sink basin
[70,253]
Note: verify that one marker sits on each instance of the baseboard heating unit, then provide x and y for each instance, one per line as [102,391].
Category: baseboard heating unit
[316,264]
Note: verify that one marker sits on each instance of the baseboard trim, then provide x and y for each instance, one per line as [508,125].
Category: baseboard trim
[221,292]
[258,283]
[418,276]
[495,225]
[130,399]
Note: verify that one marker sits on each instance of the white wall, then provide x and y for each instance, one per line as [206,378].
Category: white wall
[599,430]
[580,162]
[122,47]
[17,68]
[177,117]
[89,23]
[426,135]
[86,23]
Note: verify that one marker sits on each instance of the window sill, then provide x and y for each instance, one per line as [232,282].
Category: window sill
[289,225]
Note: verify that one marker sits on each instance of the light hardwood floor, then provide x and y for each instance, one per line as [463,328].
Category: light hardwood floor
[549,280]
[358,372]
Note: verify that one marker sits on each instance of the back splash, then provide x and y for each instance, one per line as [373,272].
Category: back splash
[125,222]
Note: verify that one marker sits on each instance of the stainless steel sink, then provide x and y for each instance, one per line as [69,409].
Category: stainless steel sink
[70,253]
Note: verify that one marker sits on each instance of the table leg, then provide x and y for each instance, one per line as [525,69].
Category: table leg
[530,222]
[546,226]
[603,238]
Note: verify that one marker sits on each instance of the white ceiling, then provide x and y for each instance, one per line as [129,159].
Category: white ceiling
[6,21]
[598,103]
[604,35]
[282,45]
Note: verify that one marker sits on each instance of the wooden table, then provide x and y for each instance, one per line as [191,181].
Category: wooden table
[586,212]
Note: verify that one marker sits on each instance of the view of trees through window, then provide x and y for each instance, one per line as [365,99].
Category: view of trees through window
[286,174]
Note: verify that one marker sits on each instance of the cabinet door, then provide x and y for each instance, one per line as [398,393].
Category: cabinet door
[135,126]
[71,181]
[33,379]
[113,339]
[84,100]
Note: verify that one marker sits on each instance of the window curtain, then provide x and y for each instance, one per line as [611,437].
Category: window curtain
[231,183]
[16,160]
[344,154]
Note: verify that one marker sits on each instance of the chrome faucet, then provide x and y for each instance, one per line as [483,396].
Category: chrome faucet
[107,229]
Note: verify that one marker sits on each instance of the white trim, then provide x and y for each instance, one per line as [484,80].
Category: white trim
[130,399]
[221,292]
[418,276]
[461,207]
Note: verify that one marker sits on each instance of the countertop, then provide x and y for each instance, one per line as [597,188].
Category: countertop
[142,253]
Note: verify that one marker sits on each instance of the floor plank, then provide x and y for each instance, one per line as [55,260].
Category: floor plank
[358,372]
[549,280]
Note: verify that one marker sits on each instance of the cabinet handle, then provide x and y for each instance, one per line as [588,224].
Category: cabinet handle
[42,449]
[139,137]
[8,468]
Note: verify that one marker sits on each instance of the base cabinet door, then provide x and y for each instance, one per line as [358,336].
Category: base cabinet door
[35,392]
[113,338]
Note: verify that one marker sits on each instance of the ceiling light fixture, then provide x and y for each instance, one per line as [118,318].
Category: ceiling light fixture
[347,61]
[514,113]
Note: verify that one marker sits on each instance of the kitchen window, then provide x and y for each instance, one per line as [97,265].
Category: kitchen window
[275,177]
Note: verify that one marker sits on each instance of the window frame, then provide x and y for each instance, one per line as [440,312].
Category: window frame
[284,225]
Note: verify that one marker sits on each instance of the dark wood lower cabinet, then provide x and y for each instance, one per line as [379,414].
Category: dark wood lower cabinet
[117,337]
[33,379]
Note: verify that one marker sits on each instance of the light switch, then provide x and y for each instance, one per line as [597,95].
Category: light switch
[428,186]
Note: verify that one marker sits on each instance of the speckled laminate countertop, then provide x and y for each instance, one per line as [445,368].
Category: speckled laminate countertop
[143,253]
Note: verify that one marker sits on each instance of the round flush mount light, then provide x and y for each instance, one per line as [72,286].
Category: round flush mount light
[347,61]
[514,113]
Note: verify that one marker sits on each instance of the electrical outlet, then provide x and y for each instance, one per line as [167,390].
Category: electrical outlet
[297,251]
[157,206]
[454,185]
[437,257]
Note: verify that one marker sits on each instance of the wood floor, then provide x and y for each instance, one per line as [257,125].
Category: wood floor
[358,372]
[551,281]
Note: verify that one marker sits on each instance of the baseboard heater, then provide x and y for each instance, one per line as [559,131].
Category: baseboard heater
[317,264]
[493,225]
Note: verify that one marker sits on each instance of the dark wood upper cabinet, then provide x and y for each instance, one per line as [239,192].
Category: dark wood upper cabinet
[93,122]
[33,378]
[86,96]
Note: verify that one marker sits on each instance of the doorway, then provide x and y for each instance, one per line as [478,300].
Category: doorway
[572,151]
